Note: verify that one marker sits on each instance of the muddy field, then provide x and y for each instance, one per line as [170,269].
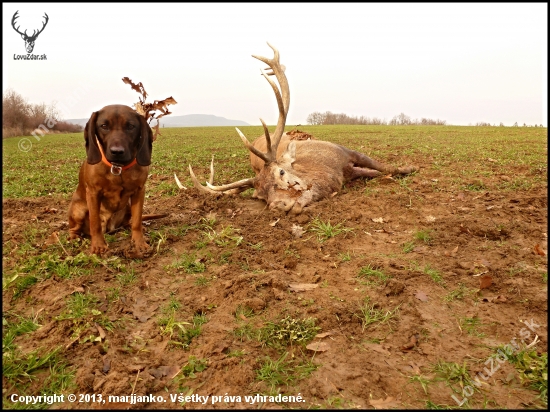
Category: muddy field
[390,294]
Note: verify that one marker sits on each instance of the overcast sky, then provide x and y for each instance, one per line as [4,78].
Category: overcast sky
[463,63]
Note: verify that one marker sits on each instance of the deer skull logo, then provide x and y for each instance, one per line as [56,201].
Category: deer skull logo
[29,40]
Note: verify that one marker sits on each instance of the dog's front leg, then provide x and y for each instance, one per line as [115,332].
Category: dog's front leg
[136,208]
[93,198]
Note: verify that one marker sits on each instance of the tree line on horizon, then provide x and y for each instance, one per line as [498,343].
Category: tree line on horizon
[21,118]
[329,118]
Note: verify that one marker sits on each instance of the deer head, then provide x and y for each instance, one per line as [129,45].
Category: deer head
[276,174]
[29,40]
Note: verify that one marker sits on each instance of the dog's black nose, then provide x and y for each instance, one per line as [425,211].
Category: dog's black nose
[117,150]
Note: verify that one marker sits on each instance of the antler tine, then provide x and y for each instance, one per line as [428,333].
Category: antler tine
[266,157]
[267,137]
[15,16]
[197,184]
[231,188]
[283,96]
[211,180]
[272,147]
[43,24]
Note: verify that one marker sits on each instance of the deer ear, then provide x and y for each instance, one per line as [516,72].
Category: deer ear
[289,155]
[92,150]
[146,145]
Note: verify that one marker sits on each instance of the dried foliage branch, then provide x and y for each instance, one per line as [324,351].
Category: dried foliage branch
[148,110]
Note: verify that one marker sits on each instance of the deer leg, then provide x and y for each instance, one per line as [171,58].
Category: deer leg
[357,172]
[361,160]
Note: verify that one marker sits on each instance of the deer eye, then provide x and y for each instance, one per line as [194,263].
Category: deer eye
[281,172]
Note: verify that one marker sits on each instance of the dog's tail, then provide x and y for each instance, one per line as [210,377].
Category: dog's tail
[153,217]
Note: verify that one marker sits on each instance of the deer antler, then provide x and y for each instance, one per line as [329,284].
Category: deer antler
[34,33]
[43,26]
[283,102]
[15,16]
[229,189]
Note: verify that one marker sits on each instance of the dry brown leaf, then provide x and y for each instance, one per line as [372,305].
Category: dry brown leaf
[430,219]
[322,335]
[242,317]
[142,310]
[302,287]
[421,296]
[387,403]
[106,364]
[378,220]
[54,238]
[297,231]
[318,346]
[168,371]
[415,367]
[412,343]
[451,253]
[156,131]
[485,282]
[376,348]
[148,110]
[102,334]
[137,87]
[420,249]
[539,251]
[274,223]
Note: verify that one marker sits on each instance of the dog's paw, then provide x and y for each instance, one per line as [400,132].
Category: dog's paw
[138,250]
[98,248]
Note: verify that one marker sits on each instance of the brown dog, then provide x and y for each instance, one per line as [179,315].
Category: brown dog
[111,183]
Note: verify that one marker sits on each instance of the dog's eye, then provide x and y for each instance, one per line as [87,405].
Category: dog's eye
[281,172]
[104,126]
[131,127]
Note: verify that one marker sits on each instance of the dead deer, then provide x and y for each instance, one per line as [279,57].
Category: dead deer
[290,174]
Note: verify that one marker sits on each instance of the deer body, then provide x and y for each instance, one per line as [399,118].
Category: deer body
[292,173]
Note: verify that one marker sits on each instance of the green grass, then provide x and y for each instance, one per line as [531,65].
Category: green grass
[284,372]
[471,326]
[434,274]
[82,310]
[423,236]
[458,155]
[371,276]
[189,264]
[180,333]
[457,294]
[533,371]
[288,331]
[326,230]
[57,158]
[369,314]
[454,375]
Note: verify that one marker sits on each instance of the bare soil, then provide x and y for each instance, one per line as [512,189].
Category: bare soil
[498,236]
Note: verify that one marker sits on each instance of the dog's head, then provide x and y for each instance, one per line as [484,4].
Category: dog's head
[123,134]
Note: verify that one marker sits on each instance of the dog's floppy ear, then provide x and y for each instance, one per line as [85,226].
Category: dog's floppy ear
[146,145]
[92,150]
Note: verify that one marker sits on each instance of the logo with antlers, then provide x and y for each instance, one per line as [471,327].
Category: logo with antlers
[29,40]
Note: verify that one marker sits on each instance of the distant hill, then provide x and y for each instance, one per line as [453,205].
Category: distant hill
[188,120]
